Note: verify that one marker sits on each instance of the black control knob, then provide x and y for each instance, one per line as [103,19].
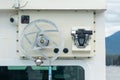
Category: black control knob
[11,20]
[65,50]
[56,50]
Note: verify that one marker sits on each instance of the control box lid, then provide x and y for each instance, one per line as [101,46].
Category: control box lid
[56,4]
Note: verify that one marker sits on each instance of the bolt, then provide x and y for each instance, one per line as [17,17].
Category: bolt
[38,61]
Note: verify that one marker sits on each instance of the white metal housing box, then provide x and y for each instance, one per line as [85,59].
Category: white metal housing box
[68,15]
[66,21]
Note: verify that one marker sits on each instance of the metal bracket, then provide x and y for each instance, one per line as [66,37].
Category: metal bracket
[81,37]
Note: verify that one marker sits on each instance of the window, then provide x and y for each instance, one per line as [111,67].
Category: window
[41,73]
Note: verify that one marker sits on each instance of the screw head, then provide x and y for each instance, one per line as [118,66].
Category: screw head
[38,62]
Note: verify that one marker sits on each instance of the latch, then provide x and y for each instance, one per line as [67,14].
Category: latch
[81,37]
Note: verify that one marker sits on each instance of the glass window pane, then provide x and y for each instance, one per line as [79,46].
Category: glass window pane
[41,73]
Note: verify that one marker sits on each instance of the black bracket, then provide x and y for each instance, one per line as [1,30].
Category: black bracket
[81,37]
